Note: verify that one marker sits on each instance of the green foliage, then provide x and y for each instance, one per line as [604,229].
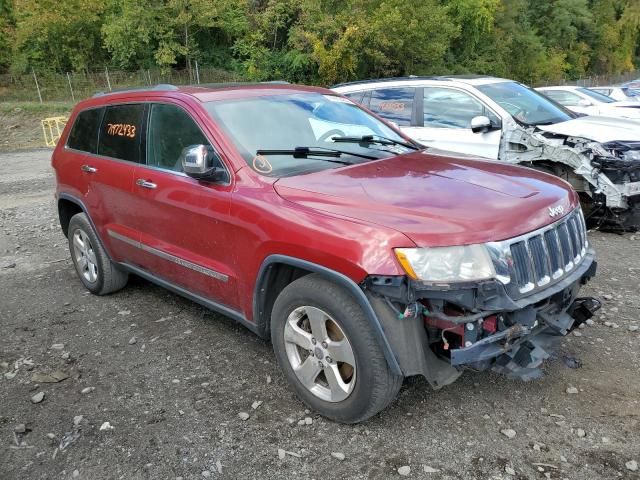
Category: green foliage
[7,29]
[56,35]
[326,41]
[147,32]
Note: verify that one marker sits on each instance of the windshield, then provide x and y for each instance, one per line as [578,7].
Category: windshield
[596,95]
[525,104]
[289,121]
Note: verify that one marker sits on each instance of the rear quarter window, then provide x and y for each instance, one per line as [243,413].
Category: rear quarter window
[84,133]
[355,96]
[120,132]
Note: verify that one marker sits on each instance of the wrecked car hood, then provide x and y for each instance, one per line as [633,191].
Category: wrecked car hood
[435,199]
[599,129]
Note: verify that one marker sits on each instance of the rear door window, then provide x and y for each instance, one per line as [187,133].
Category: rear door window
[84,133]
[170,130]
[121,131]
[394,104]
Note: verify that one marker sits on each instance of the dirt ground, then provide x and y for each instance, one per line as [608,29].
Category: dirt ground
[170,378]
[20,123]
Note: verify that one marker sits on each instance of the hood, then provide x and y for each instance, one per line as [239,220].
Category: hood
[598,129]
[625,103]
[435,200]
[621,110]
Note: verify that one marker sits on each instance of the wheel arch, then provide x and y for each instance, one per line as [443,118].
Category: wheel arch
[278,271]
[68,206]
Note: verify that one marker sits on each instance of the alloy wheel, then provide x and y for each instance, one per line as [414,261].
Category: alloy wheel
[320,353]
[85,257]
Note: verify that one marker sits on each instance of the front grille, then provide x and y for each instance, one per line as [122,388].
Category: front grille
[550,253]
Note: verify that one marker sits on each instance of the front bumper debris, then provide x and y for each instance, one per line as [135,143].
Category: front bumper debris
[438,332]
[519,351]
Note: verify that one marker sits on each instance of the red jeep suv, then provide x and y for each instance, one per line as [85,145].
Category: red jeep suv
[313,222]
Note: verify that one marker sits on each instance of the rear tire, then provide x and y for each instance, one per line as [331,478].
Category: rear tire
[95,269]
[353,385]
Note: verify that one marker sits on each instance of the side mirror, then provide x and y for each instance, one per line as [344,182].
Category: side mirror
[480,124]
[201,162]
[583,102]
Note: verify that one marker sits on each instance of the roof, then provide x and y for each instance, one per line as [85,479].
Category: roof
[418,80]
[561,87]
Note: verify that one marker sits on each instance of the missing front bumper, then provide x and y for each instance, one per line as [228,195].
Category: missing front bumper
[515,345]
[519,351]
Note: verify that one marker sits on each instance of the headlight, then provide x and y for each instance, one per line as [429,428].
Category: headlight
[447,264]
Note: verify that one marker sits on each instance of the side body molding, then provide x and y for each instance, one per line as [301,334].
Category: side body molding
[237,316]
[258,325]
[336,277]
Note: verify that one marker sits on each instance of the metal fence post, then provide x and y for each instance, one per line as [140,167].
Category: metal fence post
[37,86]
[73,97]
[106,74]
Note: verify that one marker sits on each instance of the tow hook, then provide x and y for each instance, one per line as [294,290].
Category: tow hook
[583,309]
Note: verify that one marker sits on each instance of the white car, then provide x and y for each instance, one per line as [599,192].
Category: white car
[507,121]
[619,94]
[586,101]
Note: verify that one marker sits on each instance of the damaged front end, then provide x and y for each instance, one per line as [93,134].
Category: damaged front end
[607,175]
[509,323]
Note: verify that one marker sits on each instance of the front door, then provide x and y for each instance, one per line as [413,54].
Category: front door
[446,123]
[182,221]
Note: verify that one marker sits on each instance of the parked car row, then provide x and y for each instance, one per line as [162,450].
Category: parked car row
[634,84]
[618,94]
[589,102]
[363,256]
[510,122]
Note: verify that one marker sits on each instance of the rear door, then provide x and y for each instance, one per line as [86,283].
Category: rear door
[446,123]
[103,159]
[111,171]
[182,222]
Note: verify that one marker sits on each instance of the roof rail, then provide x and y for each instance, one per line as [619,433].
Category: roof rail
[237,84]
[168,87]
[160,86]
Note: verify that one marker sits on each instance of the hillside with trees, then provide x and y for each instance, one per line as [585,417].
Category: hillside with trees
[325,41]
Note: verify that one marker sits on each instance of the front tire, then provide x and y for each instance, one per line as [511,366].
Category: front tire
[96,271]
[327,349]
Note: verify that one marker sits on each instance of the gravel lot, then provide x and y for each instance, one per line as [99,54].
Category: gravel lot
[171,378]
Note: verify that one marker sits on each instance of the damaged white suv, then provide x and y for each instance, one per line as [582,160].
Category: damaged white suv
[507,121]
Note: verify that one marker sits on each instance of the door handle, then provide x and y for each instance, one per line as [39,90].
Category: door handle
[88,169]
[141,182]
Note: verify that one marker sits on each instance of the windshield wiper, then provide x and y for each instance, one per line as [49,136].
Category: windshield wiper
[374,139]
[306,152]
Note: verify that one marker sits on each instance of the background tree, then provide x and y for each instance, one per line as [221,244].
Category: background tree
[326,41]
[57,35]
[7,33]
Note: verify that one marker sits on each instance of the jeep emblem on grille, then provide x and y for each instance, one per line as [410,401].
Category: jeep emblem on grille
[555,211]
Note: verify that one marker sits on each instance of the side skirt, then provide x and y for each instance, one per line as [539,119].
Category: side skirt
[205,302]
